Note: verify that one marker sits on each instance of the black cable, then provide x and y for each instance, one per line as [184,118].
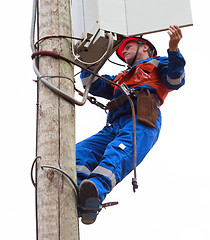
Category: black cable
[37,116]
[121,65]
[65,174]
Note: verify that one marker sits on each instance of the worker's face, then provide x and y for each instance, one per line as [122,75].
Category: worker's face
[130,49]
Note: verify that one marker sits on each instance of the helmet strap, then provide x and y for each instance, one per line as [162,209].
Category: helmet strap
[134,59]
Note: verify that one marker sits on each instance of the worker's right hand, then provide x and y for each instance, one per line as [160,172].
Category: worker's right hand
[175,34]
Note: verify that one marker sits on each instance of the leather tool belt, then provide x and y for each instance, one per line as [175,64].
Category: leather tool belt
[147,106]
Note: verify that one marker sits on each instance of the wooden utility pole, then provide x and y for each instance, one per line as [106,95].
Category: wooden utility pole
[56,199]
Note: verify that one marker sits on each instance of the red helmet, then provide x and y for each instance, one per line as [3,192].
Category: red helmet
[137,39]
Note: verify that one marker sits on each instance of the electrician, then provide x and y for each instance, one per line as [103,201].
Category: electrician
[104,159]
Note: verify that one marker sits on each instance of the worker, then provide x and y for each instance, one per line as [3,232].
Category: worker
[105,158]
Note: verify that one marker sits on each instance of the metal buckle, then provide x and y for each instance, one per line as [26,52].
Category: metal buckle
[125,89]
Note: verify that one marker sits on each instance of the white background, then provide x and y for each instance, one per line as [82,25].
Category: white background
[173,199]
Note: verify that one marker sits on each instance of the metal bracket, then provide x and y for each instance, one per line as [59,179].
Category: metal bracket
[80,45]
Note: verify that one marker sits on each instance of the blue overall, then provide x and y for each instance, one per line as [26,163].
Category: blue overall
[107,157]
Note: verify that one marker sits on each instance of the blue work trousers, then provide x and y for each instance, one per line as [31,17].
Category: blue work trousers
[107,157]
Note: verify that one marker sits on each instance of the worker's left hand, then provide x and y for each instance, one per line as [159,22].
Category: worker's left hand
[175,34]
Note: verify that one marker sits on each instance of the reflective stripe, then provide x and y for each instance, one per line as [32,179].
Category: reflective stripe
[85,80]
[175,81]
[154,62]
[99,170]
[83,169]
[107,173]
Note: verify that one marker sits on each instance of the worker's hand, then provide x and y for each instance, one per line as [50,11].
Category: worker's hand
[175,34]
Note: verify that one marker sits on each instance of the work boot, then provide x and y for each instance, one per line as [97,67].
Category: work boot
[90,202]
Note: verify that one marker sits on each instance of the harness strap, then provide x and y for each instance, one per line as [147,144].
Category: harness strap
[114,104]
